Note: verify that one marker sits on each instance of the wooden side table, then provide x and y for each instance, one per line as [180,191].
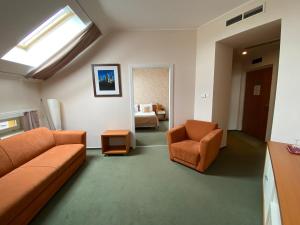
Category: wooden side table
[109,149]
[161,115]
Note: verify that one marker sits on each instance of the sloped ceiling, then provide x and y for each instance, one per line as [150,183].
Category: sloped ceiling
[20,17]
[155,14]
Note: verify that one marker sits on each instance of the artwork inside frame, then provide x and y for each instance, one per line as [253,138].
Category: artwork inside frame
[107,80]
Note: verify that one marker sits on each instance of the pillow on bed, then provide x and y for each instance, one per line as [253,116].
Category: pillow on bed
[146,107]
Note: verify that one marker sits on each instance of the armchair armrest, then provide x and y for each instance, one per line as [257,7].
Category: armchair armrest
[69,137]
[176,134]
[209,148]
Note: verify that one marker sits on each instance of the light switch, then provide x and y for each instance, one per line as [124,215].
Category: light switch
[204,95]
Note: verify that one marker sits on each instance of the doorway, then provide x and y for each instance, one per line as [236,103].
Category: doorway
[256,103]
[151,95]
[235,57]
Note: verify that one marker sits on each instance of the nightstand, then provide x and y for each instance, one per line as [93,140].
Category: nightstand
[161,115]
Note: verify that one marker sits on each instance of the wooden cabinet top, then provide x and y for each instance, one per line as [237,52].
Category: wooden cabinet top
[116,133]
[286,168]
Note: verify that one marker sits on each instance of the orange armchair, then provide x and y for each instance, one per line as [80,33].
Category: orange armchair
[195,144]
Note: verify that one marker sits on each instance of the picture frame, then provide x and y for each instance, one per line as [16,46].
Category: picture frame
[107,80]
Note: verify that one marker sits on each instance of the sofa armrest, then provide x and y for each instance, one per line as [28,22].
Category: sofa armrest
[69,137]
[209,148]
[176,134]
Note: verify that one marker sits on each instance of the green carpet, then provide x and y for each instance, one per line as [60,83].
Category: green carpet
[146,188]
[152,136]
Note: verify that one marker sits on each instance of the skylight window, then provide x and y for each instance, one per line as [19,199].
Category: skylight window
[48,39]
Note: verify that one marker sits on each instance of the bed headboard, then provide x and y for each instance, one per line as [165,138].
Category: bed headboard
[154,107]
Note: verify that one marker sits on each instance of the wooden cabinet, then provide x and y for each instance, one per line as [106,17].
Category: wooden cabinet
[281,186]
[110,149]
[271,206]
[161,115]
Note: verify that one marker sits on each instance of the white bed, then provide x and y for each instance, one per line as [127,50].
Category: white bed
[146,119]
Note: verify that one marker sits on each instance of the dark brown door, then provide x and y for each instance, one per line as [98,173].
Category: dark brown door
[256,105]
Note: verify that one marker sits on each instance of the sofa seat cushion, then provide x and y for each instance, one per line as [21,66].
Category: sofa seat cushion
[20,187]
[58,157]
[187,150]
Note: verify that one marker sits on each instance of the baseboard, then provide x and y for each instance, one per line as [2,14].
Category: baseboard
[149,146]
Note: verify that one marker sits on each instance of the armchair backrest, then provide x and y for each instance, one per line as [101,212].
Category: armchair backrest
[196,129]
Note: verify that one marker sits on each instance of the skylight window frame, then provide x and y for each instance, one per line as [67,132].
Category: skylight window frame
[52,39]
[54,21]
[60,52]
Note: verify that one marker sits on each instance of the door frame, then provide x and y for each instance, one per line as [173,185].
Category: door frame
[131,94]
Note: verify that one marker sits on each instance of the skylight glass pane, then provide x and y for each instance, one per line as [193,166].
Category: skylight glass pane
[47,39]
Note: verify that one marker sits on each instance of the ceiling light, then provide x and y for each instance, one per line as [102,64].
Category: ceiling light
[244,53]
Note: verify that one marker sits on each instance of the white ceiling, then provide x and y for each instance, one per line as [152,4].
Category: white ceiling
[155,14]
[18,18]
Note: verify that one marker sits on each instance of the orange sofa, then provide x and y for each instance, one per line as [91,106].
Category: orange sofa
[195,144]
[33,166]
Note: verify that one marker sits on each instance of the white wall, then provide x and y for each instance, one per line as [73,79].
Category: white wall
[235,95]
[286,121]
[18,94]
[222,87]
[241,65]
[73,85]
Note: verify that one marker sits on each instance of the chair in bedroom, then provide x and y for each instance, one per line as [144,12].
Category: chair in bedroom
[195,144]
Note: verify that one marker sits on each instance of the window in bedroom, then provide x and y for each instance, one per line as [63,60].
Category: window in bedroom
[48,39]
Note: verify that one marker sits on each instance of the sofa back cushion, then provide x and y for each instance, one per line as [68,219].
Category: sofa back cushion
[197,129]
[5,163]
[24,147]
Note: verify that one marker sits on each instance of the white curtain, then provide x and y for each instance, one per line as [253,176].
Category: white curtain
[30,120]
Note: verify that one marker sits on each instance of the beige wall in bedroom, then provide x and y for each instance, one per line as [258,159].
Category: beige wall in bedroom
[286,121]
[73,85]
[151,85]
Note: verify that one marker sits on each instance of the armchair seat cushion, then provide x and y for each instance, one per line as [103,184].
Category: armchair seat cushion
[187,150]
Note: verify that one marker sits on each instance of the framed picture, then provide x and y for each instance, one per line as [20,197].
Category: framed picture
[107,80]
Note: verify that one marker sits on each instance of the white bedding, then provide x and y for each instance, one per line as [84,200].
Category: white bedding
[146,119]
[144,114]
